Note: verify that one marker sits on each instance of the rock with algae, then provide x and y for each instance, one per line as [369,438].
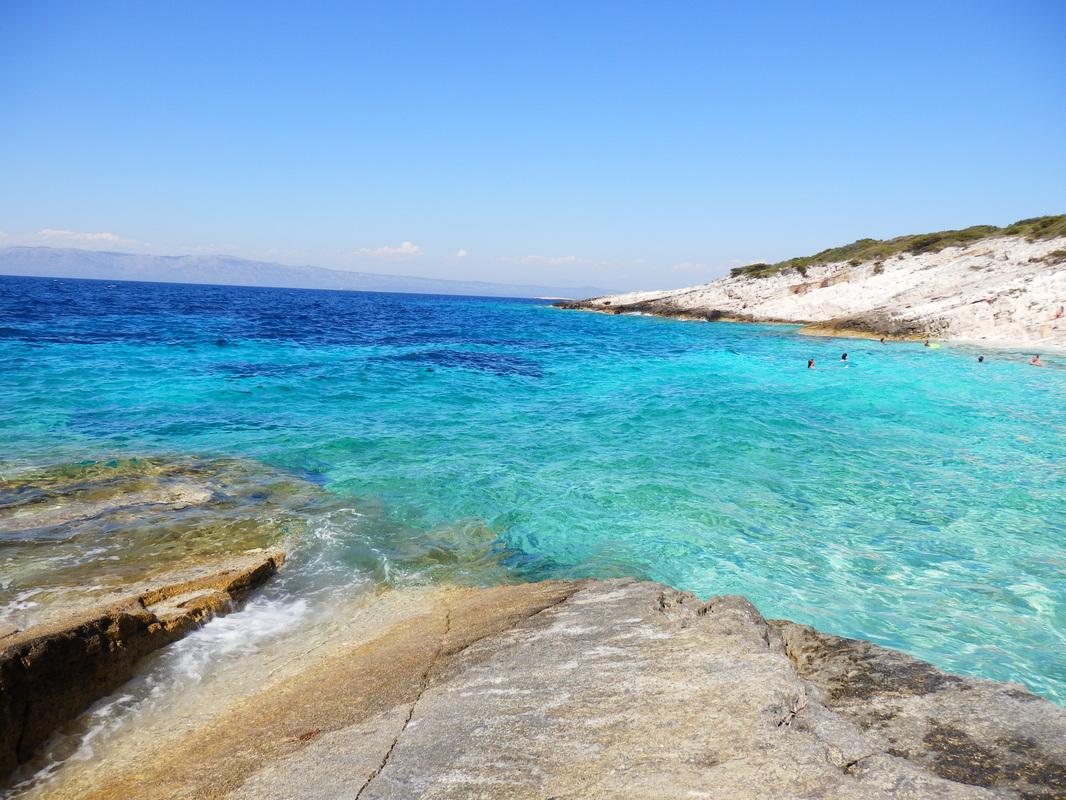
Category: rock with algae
[72,535]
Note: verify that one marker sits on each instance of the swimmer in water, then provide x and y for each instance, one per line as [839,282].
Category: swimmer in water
[980,359]
[882,340]
[810,363]
[1036,362]
[927,343]
[844,360]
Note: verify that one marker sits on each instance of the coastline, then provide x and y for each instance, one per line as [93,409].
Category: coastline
[139,503]
[1004,293]
[594,689]
[310,488]
[818,330]
[83,651]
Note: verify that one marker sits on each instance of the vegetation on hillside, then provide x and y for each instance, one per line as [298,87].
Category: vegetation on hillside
[879,249]
[1053,258]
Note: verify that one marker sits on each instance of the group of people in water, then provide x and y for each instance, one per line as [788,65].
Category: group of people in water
[1035,360]
[843,361]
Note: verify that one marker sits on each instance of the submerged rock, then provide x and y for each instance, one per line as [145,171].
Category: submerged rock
[53,512]
[612,689]
[73,534]
[50,673]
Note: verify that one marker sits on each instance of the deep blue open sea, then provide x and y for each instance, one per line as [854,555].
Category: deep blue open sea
[917,498]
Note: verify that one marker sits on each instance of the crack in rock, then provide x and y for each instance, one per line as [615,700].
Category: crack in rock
[849,767]
[423,684]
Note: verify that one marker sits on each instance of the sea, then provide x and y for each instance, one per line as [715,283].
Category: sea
[914,497]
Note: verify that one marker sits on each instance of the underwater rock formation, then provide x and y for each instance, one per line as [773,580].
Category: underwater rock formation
[73,535]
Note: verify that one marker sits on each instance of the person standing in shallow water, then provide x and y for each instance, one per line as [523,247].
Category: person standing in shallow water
[1036,362]
[810,363]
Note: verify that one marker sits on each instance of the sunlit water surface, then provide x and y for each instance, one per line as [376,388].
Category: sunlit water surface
[916,498]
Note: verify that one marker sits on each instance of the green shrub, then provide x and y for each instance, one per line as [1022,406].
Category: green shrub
[758,270]
[1054,257]
[879,249]
[935,242]
[1036,228]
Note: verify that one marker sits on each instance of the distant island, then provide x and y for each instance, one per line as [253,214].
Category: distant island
[51,262]
[999,286]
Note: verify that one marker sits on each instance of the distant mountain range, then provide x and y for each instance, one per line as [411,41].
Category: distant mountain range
[51,262]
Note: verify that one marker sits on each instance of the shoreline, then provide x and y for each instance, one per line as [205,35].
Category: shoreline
[814,571]
[589,688]
[53,671]
[264,719]
[819,329]
[1005,292]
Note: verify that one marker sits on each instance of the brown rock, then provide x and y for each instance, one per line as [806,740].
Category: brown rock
[52,672]
[972,732]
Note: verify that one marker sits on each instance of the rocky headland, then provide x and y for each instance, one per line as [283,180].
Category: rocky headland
[996,286]
[589,689]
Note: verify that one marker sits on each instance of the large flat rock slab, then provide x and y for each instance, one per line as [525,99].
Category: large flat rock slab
[614,689]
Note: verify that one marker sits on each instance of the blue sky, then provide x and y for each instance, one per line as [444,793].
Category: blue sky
[617,144]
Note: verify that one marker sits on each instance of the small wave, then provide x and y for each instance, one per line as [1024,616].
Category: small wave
[168,676]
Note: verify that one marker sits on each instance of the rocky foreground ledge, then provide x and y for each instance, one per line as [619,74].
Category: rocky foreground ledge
[615,689]
[50,673]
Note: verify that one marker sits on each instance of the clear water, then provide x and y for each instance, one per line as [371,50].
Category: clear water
[917,498]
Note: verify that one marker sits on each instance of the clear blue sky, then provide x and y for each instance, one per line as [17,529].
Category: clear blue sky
[617,144]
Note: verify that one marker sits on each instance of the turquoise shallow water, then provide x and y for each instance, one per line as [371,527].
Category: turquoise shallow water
[917,498]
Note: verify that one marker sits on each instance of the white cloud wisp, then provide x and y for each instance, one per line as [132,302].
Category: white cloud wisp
[404,250]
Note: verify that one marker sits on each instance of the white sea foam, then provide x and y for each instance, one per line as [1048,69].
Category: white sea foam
[188,665]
